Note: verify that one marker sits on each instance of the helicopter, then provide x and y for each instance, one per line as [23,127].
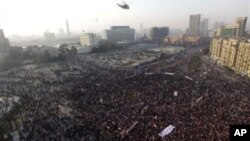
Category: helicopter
[124,5]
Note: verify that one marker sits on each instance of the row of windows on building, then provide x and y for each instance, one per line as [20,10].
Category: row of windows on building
[236,30]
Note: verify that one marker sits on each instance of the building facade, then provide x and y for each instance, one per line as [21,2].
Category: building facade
[67,27]
[4,42]
[119,34]
[49,36]
[4,46]
[236,30]
[194,24]
[158,34]
[227,31]
[231,52]
[218,24]
[204,27]
[241,21]
[89,40]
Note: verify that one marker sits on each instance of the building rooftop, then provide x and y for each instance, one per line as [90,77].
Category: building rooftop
[119,27]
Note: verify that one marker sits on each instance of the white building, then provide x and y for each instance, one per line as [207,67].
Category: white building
[119,34]
[89,40]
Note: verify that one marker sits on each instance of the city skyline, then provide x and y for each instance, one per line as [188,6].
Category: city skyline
[35,17]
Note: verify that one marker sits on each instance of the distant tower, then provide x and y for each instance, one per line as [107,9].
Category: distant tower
[67,26]
[194,24]
[241,21]
[141,28]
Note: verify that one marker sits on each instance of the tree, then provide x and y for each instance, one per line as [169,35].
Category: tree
[15,53]
[46,56]
[106,45]
[62,50]
[103,46]
[29,53]
[14,59]
[73,50]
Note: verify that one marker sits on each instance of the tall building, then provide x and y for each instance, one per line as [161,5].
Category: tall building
[141,30]
[218,24]
[157,34]
[4,42]
[49,36]
[4,46]
[194,24]
[61,32]
[176,31]
[204,26]
[236,30]
[241,21]
[231,52]
[119,34]
[67,27]
[89,40]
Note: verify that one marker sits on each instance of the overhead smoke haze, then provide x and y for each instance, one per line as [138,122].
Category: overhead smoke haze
[28,17]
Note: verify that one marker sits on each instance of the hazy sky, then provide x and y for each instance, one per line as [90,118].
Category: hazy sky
[27,17]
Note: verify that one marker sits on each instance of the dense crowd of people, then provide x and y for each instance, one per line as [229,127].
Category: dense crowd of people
[201,110]
[105,103]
